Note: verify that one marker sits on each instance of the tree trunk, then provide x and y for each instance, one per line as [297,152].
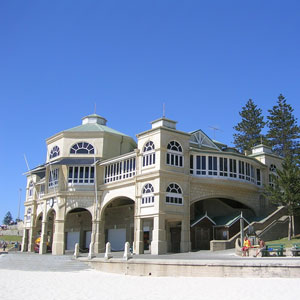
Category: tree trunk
[290,228]
[293,225]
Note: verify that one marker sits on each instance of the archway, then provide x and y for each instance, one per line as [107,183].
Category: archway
[37,232]
[216,219]
[78,229]
[50,229]
[118,216]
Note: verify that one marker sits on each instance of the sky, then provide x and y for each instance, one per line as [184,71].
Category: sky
[203,59]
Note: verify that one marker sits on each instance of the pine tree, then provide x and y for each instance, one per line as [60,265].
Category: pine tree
[283,129]
[249,129]
[8,218]
[286,189]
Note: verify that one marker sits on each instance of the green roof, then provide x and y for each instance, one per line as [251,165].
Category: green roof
[94,128]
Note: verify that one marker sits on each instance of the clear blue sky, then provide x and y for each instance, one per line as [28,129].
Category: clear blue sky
[203,59]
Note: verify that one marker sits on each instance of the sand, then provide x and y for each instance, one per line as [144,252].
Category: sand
[91,284]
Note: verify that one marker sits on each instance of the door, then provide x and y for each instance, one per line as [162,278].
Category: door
[175,239]
[117,239]
[72,239]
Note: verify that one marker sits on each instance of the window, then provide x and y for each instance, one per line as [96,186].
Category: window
[258,177]
[28,214]
[54,152]
[42,190]
[82,148]
[174,194]
[248,171]
[223,166]
[200,165]
[30,189]
[148,196]
[232,168]
[212,166]
[191,164]
[81,175]
[241,170]
[53,178]
[120,170]
[272,175]
[174,154]
[149,154]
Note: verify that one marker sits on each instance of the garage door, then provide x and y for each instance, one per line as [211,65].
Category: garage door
[117,239]
[72,239]
[87,239]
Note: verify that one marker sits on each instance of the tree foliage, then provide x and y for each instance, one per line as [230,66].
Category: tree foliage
[286,189]
[249,129]
[283,131]
[8,218]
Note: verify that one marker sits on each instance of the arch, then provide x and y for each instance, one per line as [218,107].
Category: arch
[118,219]
[82,148]
[78,229]
[51,216]
[55,151]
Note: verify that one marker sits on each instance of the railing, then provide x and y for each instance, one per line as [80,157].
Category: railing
[120,169]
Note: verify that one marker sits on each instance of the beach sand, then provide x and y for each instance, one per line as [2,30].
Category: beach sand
[92,284]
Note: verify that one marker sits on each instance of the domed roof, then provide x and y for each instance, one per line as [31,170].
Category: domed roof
[94,123]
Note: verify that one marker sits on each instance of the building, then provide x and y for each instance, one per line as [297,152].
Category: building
[165,193]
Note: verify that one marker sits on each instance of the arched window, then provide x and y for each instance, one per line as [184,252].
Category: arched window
[147,195]
[82,148]
[174,154]
[30,189]
[149,154]
[54,152]
[174,194]
[272,168]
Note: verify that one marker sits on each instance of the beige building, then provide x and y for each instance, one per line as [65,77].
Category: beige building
[172,191]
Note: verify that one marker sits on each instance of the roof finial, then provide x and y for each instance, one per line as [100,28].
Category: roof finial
[164,110]
[95,106]
[261,139]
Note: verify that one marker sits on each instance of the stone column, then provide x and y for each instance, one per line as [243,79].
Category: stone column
[99,244]
[138,236]
[43,241]
[32,235]
[159,242]
[25,241]
[58,246]
[185,236]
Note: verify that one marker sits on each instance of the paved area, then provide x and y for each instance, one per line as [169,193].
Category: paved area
[35,262]
[66,263]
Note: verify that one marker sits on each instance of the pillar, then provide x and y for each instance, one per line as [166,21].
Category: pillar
[58,246]
[99,243]
[138,236]
[159,242]
[185,236]
[43,241]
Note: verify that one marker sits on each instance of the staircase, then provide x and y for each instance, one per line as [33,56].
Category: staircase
[266,229]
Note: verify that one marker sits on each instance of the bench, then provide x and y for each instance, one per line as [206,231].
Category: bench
[278,249]
[295,249]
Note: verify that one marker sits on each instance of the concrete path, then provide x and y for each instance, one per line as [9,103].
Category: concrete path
[45,263]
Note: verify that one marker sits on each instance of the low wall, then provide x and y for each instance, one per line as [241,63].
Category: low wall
[196,269]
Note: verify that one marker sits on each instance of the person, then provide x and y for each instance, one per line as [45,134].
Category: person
[4,246]
[246,247]
[262,246]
